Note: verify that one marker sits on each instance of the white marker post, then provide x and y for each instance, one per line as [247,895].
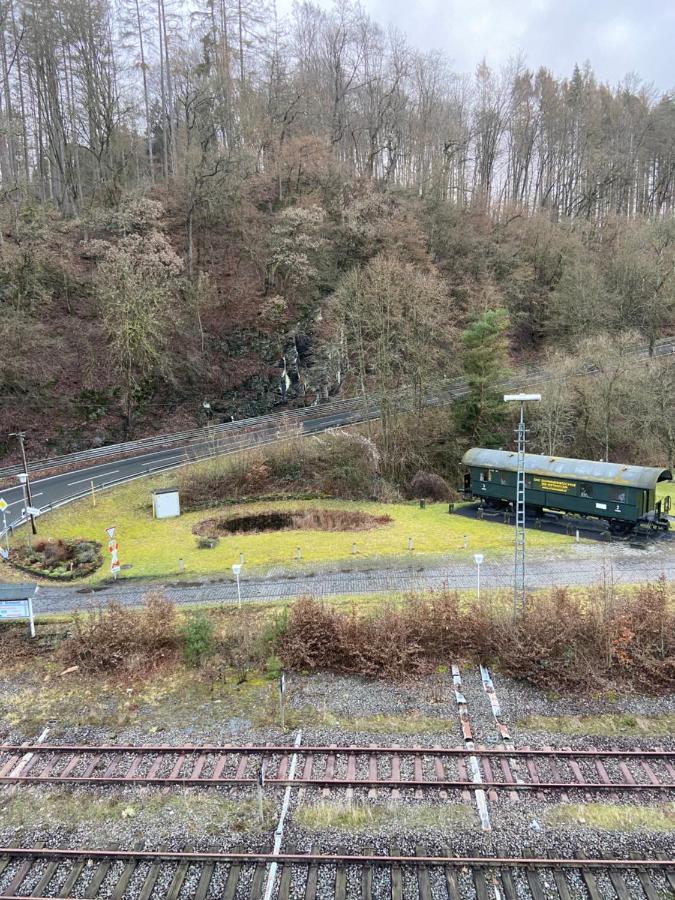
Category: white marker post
[478,559]
[113,550]
[3,506]
[236,568]
[282,698]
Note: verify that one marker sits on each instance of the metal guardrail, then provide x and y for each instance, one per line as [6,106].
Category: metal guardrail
[167,441]
[230,437]
[161,442]
[115,482]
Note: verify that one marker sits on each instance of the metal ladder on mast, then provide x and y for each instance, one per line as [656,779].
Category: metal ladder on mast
[519,573]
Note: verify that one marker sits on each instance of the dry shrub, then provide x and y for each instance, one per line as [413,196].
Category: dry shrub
[563,640]
[337,520]
[119,638]
[54,552]
[397,641]
[336,464]
[555,644]
[310,641]
[572,640]
[429,486]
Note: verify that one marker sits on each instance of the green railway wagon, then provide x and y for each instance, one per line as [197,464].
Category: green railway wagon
[624,496]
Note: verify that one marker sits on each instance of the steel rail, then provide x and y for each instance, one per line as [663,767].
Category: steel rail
[334,782]
[188,764]
[331,858]
[281,749]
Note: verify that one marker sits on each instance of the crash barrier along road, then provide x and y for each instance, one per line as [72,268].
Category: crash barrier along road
[86,471]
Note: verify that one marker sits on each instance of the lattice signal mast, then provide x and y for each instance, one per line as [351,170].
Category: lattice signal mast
[519,598]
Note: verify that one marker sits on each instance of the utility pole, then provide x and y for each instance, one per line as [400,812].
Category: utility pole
[21,436]
[519,597]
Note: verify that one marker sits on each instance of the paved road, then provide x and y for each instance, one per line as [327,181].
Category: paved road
[58,489]
[54,490]
[617,566]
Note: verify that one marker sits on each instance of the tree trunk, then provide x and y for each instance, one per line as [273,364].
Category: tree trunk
[146,100]
[162,93]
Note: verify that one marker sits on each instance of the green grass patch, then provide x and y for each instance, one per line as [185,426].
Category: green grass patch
[197,814]
[355,817]
[170,699]
[605,724]
[613,816]
[176,698]
[153,547]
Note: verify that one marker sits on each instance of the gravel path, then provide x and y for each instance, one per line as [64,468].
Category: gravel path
[584,565]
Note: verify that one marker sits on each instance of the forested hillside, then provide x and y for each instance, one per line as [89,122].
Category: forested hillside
[207,204]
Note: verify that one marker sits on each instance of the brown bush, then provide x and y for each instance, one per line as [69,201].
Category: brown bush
[429,486]
[562,640]
[398,641]
[300,519]
[567,640]
[117,637]
[337,464]
[53,552]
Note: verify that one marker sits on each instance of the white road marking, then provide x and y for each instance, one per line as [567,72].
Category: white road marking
[86,469]
[166,459]
[102,475]
[279,833]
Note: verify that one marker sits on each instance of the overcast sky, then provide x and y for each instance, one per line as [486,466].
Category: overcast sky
[616,36]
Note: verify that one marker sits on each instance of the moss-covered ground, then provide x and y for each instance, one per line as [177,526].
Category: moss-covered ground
[602,724]
[613,816]
[180,699]
[373,817]
[192,812]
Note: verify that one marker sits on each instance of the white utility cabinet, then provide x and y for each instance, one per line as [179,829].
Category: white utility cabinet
[165,503]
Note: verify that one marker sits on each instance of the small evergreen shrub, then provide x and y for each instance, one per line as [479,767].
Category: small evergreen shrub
[198,639]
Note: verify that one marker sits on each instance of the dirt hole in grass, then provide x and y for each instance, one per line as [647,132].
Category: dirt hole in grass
[286,520]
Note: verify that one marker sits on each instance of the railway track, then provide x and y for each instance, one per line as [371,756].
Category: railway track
[173,875]
[416,769]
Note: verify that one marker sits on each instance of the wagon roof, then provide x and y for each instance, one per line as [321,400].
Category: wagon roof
[562,467]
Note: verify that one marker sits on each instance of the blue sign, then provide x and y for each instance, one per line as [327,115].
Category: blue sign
[15,609]
[18,609]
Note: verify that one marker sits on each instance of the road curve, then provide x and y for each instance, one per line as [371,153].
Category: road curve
[56,489]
